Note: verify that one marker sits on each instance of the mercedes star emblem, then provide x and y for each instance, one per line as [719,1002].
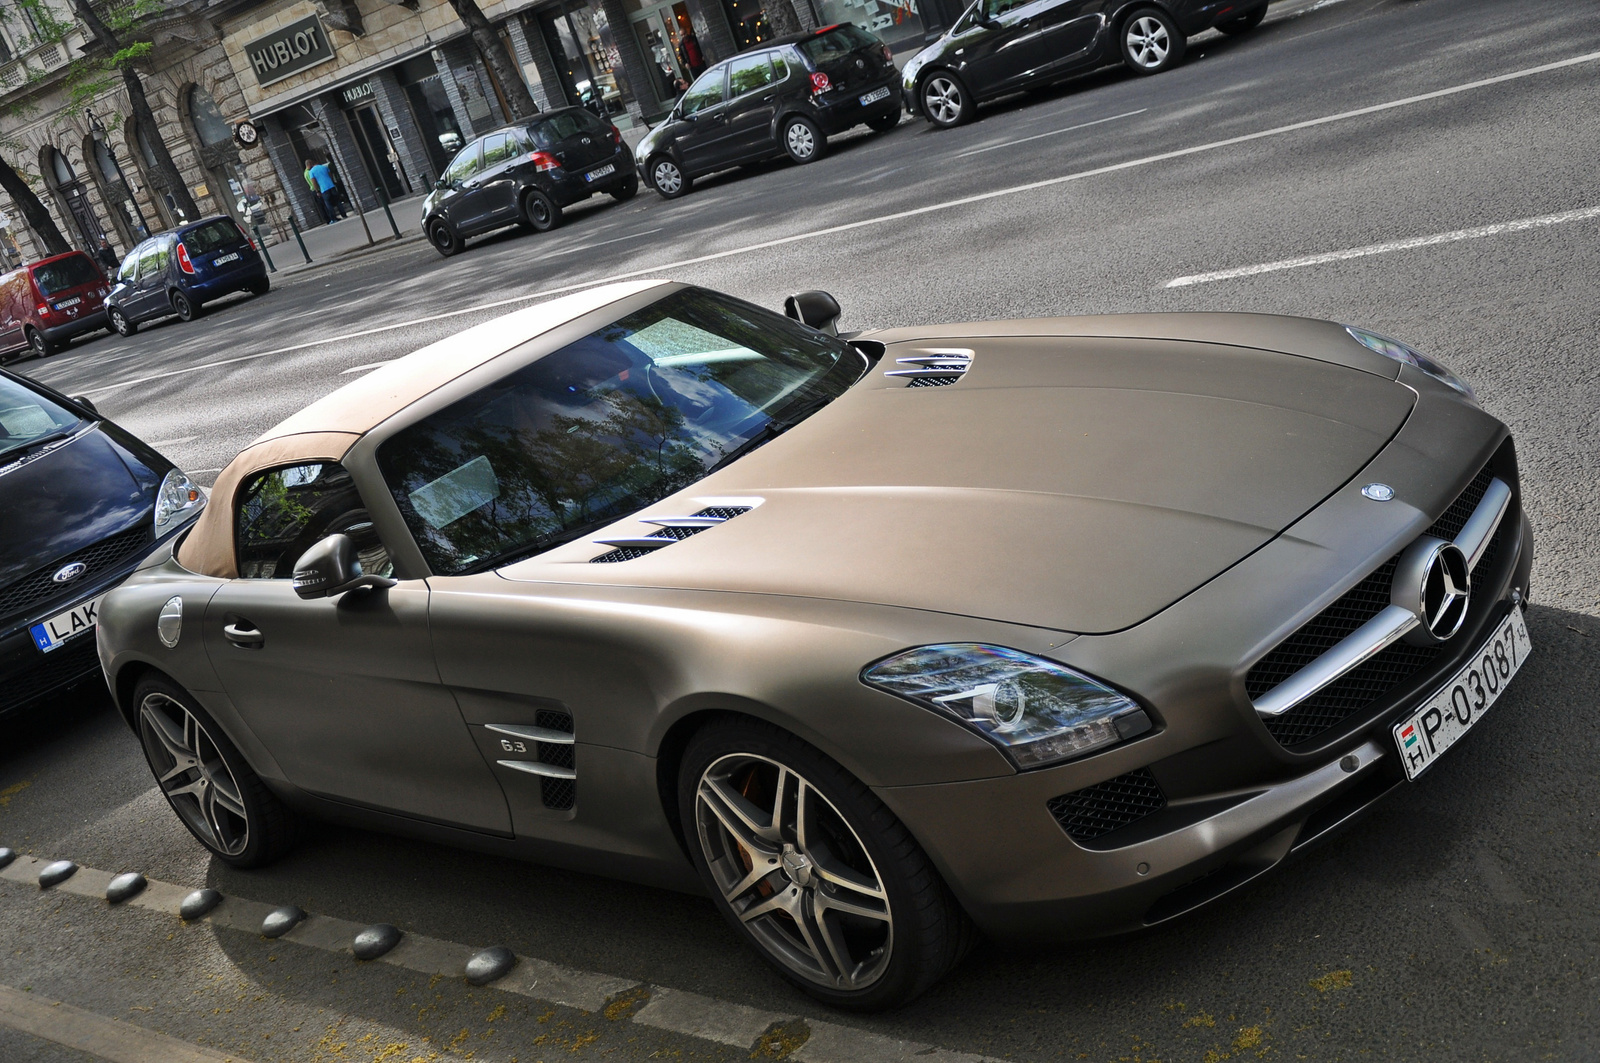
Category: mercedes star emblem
[1432,583]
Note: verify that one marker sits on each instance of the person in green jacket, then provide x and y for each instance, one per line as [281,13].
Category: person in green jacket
[316,193]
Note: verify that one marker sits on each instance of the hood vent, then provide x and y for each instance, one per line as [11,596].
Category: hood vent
[936,367]
[673,529]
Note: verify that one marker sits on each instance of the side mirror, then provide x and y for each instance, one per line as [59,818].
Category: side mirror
[331,567]
[83,400]
[817,309]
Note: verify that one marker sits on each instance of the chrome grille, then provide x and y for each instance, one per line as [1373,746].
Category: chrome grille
[1098,810]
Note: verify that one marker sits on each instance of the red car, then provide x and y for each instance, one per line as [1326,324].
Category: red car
[46,303]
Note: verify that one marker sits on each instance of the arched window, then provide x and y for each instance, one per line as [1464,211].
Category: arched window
[206,117]
[70,196]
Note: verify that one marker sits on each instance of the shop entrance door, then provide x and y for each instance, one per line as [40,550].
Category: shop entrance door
[376,151]
[671,50]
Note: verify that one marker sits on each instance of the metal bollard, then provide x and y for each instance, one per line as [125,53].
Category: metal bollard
[299,239]
[261,242]
[383,198]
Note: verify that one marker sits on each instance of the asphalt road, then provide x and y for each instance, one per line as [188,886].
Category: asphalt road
[1457,922]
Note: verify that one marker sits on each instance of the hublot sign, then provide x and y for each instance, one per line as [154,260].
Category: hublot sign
[289,50]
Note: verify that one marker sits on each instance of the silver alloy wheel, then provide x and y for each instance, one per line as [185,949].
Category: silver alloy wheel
[36,341]
[118,322]
[942,98]
[801,140]
[1148,42]
[794,871]
[191,772]
[667,177]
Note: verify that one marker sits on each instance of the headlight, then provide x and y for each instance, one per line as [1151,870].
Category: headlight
[178,500]
[1037,711]
[1402,352]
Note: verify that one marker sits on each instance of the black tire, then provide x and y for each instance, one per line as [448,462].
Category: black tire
[119,322]
[1243,23]
[803,140]
[667,177]
[945,100]
[1151,42]
[443,238]
[540,211]
[261,287]
[884,122]
[626,189]
[186,308]
[219,798]
[39,343]
[919,921]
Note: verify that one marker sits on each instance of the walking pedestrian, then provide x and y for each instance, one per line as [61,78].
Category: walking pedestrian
[106,257]
[316,194]
[328,189]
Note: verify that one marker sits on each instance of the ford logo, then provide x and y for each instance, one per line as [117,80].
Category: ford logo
[68,573]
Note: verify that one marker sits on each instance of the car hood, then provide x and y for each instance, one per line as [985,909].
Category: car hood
[67,499]
[1081,483]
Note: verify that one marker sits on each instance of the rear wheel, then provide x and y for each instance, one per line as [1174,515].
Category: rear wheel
[884,123]
[120,323]
[261,286]
[813,870]
[945,100]
[443,238]
[626,189]
[667,177]
[1243,23]
[1151,41]
[204,778]
[803,140]
[39,343]
[187,309]
[540,211]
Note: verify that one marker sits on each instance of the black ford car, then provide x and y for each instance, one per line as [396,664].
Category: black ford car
[785,98]
[525,174]
[81,503]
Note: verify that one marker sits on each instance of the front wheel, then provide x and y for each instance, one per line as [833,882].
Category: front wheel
[120,323]
[1244,23]
[803,140]
[187,309]
[945,100]
[813,870]
[540,211]
[1151,41]
[40,344]
[884,122]
[668,178]
[626,189]
[205,779]
[443,238]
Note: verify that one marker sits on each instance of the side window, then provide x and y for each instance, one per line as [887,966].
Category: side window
[705,92]
[282,513]
[780,66]
[151,260]
[465,164]
[496,150]
[749,73]
[130,267]
[589,123]
[996,8]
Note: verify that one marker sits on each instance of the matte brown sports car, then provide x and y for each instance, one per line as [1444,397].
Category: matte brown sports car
[1048,629]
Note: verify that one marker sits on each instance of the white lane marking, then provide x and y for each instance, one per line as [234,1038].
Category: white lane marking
[1052,133]
[674,1010]
[1478,233]
[174,442]
[108,1039]
[602,243]
[882,219]
[364,368]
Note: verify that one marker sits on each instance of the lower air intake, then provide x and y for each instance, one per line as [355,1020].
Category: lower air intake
[1098,810]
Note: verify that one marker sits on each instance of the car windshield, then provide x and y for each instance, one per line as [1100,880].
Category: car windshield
[64,273]
[27,417]
[836,43]
[605,426]
[212,236]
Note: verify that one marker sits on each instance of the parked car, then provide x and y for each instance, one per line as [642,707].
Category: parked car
[526,175]
[1002,46]
[46,303]
[84,502]
[1059,628]
[787,97]
[178,272]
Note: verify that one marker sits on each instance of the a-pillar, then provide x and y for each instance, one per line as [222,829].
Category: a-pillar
[408,140]
[291,173]
[346,160]
[538,69]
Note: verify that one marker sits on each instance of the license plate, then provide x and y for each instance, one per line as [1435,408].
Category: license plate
[64,627]
[592,175]
[1464,700]
[74,301]
[234,257]
[875,96]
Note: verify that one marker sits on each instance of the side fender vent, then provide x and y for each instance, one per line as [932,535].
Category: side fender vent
[936,367]
[673,529]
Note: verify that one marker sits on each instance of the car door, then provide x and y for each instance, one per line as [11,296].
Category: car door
[462,201]
[150,287]
[704,121]
[11,309]
[751,107]
[497,183]
[123,287]
[342,691]
[1066,30]
[1006,47]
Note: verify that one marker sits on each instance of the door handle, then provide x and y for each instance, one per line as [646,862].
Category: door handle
[244,635]
[1025,23]
[767,98]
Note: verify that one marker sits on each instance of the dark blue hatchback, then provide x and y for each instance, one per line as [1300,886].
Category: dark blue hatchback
[178,272]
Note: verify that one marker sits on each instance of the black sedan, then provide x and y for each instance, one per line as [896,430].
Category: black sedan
[84,502]
[1002,46]
[525,174]
[785,98]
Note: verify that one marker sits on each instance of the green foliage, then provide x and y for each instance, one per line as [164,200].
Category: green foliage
[33,23]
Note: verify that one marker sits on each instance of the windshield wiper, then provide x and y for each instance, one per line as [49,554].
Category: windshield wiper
[42,441]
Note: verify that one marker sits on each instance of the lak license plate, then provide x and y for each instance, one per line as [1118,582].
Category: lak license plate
[875,96]
[63,627]
[221,259]
[595,175]
[1463,701]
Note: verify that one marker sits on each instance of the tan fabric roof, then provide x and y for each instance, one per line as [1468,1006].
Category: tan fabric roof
[326,430]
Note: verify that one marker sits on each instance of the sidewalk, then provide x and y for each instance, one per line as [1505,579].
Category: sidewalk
[327,243]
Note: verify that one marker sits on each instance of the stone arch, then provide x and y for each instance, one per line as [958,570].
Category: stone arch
[211,139]
[71,197]
[136,148]
[115,196]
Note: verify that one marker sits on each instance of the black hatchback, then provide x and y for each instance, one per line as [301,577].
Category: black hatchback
[178,272]
[525,174]
[785,98]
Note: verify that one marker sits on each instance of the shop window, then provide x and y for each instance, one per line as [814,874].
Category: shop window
[748,19]
[898,23]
